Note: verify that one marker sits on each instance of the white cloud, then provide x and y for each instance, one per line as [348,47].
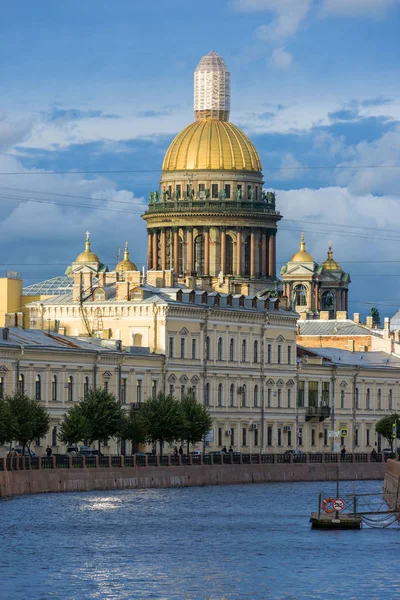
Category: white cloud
[290,167]
[351,8]
[288,16]
[281,59]
[13,132]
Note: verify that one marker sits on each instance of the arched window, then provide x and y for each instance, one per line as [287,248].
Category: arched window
[232,350]
[342,397]
[70,388]
[379,399]
[244,395]
[232,395]
[219,348]
[54,389]
[21,384]
[208,350]
[244,350]
[368,399]
[38,388]
[86,387]
[300,295]
[207,395]
[229,256]
[255,352]
[220,398]
[390,399]
[328,301]
[247,256]
[199,255]
[255,396]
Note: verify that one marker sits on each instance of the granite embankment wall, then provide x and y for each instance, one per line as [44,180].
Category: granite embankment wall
[392,484]
[14,483]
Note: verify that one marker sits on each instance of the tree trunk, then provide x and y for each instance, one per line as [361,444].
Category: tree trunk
[161,446]
[99,446]
[188,446]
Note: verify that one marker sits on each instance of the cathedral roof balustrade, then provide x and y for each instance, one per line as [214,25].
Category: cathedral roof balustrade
[212,206]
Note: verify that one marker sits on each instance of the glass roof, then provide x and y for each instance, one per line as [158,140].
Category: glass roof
[51,287]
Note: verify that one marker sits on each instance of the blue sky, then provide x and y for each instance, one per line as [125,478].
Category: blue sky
[100,86]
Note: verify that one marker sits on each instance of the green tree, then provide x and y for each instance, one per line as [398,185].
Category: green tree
[134,428]
[376,319]
[73,428]
[8,423]
[384,427]
[163,419]
[198,421]
[25,419]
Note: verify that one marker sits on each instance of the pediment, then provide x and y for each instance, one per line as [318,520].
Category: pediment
[184,331]
[300,269]
[270,382]
[3,369]
[107,374]
[183,379]
[195,379]
[290,382]
[280,382]
[280,338]
[172,378]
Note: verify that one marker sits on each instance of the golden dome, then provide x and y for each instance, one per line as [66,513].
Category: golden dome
[330,264]
[211,144]
[87,255]
[302,255]
[126,264]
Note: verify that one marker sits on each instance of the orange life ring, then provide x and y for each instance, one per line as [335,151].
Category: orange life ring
[328,501]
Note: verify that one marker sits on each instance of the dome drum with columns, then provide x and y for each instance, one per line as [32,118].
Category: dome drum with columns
[211,218]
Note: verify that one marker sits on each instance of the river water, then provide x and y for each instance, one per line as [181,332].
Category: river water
[216,543]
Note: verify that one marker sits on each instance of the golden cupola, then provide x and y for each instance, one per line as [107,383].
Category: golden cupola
[87,256]
[126,264]
[330,264]
[302,255]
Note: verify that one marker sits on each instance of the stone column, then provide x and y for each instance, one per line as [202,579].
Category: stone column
[316,296]
[223,249]
[338,300]
[239,252]
[149,249]
[272,255]
[189,250]
[206,251]
[176,250]
[163,250]
[344,300]
[347,301]
[263,254]
[252,254]
[155,249]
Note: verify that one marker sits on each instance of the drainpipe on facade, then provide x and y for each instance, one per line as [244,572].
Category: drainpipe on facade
[333,406]
[354,406]
[96,360]
[263,333]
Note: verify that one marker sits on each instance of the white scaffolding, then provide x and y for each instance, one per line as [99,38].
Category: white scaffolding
[212,88]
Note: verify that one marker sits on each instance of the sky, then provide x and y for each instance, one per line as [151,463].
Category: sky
[92,94]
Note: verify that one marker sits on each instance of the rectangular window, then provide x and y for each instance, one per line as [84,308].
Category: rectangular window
[269,398]
[194,392]
[202,187]
[300,394]
[279,397]
[279,436]
[182,390]
[214,190]
[342,398]
[171,389]
[289,355]
[139,391]
[244,436]
[312,437]
[232,437]
[256,437]
[300,436]
[154,389]
[1,387]
[219,436]
[279,354]
[194,348]
[227,190]
[289,437]
[289,398]
[269,353]
[123,390]
[325,393]
[356,437]
[325,436]
[182,347]
[170,191]
[313,393]
[171,347]
[106,385]
[269,435]
[368,437]
[54,436]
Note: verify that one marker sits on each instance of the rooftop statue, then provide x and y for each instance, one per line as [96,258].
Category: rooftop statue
[207,193]
[238,194]
[222,194]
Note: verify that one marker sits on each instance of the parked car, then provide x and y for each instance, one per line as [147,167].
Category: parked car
[26,452]
[388,453]
[87,451]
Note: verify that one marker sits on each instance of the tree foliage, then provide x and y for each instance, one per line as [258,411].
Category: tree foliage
[197,420]
[384,427]
[22,419]
[73,427]
[134,428]
[376,319]
[163,419]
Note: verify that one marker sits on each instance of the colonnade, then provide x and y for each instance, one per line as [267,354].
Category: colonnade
[239,251]
[314,295]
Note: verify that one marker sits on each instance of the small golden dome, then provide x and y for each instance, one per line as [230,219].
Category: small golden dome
[87,255]
[211,144]
[302,255]
[330,264]
[126,264]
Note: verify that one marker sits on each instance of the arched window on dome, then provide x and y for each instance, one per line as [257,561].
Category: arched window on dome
[229,256]
[199,255]
[328,301]
[247,256]
[300,295]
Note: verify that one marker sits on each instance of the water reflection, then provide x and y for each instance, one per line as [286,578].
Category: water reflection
[232,542]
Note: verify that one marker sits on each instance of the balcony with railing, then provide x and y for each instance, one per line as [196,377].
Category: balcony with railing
[317,413]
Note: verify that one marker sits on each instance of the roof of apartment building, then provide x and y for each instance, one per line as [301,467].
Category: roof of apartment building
[347,357]
[345,327]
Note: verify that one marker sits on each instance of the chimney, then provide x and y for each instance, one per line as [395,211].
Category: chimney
[122,290]
[386,328]
[77,287]
[351,345]
[341,315]
[369,322]
[356,317]
[324,315]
